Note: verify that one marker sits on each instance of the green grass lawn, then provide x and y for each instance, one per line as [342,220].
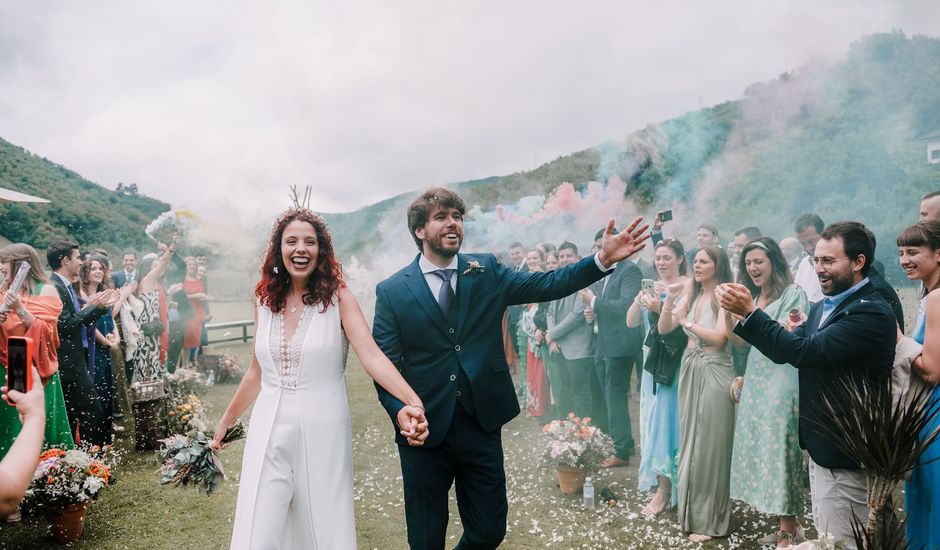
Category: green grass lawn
[137,512]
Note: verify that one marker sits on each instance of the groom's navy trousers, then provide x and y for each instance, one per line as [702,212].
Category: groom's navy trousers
[457,364]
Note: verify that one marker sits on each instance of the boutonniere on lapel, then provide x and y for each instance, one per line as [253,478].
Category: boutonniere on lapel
[473,266]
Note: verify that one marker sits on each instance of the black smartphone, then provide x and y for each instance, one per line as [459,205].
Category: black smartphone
[665,215]
[19,356]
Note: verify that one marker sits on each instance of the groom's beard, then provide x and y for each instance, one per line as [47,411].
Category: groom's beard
[442,251]
[437,246]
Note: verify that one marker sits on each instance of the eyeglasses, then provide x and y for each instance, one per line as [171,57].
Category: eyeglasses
[827,262]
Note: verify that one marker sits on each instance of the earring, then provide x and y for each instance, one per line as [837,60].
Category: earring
[274,269]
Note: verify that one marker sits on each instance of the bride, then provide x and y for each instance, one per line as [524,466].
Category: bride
[296,488]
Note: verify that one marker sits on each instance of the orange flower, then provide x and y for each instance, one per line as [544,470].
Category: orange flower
[51,453]
[50,480]
[98,469]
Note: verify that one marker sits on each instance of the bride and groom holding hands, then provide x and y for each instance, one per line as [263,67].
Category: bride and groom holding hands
[436,355]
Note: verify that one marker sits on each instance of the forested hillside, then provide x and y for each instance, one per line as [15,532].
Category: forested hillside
[80,210]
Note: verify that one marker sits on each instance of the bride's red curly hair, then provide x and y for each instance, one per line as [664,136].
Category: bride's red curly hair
[327,277]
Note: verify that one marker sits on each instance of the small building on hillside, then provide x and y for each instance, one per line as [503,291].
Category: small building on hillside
[933,147]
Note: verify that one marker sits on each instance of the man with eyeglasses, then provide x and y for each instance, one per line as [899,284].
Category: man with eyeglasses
[850,334]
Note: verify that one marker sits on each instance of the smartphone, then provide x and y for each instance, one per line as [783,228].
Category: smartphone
[665,215]
[19,360]
[646,284]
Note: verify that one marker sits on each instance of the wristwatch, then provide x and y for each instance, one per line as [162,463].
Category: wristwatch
[688,325]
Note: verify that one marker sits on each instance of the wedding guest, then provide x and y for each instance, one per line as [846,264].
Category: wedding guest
[808,228]
[741,238]
[150,361]
[201,275]
[517,256]
[571,342]
[659,393]
[551,261]
[792,253]
[706,235]
[296,486]
[196,292]
[850,335]
[19,463]
[86,416]
[767,462]
[94,277]
[919,247]
[34,312]
[537,392]
[615,348]
[174,278]
[129,272]
[706,411]
[930,207]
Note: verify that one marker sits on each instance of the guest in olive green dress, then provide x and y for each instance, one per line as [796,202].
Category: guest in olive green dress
[706,411]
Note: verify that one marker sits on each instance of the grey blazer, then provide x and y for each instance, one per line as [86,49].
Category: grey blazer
[566,325]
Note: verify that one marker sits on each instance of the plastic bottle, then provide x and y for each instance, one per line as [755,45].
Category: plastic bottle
[588,494]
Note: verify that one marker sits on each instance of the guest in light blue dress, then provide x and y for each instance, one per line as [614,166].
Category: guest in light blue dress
[919,247]
[659,393]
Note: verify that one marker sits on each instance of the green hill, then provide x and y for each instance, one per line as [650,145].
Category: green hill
[840,139]
[80,210]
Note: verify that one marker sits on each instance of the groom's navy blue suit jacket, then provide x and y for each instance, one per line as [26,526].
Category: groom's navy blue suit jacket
[430,349]
[856,341]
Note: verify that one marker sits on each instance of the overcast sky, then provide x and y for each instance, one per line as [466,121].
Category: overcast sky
[220,106]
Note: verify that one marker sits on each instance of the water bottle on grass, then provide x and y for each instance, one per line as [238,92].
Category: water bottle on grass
[588,494]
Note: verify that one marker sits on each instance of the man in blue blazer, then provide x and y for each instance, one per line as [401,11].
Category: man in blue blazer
[439,321]
[848,335]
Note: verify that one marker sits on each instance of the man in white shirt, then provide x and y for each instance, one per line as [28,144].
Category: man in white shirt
[807,228]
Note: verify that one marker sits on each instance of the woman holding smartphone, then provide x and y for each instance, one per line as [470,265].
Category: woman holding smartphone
[33,312]
[659,395]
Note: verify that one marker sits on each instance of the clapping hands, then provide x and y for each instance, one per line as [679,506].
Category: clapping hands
[736,299]
[413,425]
[105,298]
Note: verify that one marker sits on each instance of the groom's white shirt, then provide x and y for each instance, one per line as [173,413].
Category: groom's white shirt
[435,282]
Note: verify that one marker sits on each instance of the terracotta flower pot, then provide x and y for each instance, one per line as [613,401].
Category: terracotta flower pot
[570,480]
[67,523]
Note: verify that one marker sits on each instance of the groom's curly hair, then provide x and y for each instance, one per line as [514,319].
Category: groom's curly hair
[426,204]
[327,277]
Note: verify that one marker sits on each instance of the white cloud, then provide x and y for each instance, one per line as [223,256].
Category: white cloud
[220,106]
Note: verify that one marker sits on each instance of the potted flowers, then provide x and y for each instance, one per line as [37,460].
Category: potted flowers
[65,483]
[574,448]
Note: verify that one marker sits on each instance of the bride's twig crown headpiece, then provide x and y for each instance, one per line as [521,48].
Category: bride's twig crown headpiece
[297,202]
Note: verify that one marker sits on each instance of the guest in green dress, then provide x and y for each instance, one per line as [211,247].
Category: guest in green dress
[767,462]
[34,312]
[706,411]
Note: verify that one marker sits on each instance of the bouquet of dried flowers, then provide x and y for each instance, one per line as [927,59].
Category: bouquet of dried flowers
[184,410]
[574,443]
[69,476]
[190,460]
[229,370]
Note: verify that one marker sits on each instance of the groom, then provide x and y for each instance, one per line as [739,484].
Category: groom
[439,321]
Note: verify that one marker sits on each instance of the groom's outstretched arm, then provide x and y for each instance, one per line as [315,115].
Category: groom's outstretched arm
[386,333]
